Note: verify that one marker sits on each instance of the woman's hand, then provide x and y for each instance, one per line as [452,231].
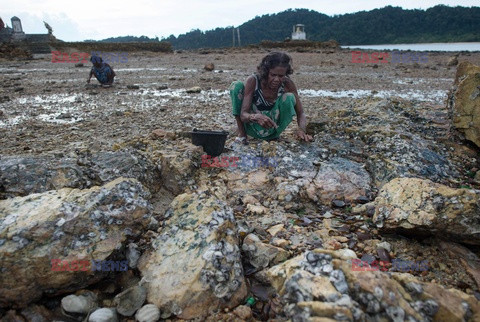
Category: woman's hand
[263,121]
[303,136]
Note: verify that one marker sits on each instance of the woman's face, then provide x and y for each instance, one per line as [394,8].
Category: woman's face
[276,76]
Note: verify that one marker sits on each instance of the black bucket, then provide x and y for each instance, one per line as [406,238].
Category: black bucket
[212,142]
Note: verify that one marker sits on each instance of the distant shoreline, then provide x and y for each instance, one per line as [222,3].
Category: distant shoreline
[444,47]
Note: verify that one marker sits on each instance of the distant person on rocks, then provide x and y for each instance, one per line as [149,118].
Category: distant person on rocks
[102,71]
[265,104]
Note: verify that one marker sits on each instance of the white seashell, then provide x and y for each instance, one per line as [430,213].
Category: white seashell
[103,315]
[148,313]
[77,304]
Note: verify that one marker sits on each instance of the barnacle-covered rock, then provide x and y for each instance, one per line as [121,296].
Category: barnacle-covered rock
[47,240]
[195,265]
[321,284]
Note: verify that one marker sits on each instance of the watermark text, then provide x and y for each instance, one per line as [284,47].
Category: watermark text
[395,57]
[59,265]
[107,57]
[397,265]
[243,161]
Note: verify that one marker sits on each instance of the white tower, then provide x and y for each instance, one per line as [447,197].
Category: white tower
[299,32]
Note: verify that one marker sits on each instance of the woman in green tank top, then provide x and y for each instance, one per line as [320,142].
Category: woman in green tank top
[264,105]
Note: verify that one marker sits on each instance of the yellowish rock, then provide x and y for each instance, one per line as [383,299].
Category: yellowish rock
[280,242]
[249,199]
[257,210]
[274,230]
[329,310]
[420,205]
[466,101]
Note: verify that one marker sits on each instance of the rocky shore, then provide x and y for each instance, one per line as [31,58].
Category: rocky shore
[106,213]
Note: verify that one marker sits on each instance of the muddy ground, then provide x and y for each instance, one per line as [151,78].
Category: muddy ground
[47,107]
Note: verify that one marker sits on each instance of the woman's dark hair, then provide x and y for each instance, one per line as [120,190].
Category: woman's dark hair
[96,59]
[272,60]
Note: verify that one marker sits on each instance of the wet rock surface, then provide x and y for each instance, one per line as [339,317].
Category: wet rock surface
[20,176]
[39,231]
[341,179]
[332,229]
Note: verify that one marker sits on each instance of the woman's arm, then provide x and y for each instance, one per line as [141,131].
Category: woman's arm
[90,75]
[245,115]
[301,118]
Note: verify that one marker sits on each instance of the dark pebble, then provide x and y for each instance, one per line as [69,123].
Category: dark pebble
[248,269]
[133,87]
[362,199]
[317,243]
[383,254]
[261,292]
[352,243]
[370,211]
[477,295]
[338,203]
[64,116]
[260,232]
[462,285]
[312,257]
[344,228]
[305,221]
[363,236]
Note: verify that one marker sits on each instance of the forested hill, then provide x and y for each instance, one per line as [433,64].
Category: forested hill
[388,25]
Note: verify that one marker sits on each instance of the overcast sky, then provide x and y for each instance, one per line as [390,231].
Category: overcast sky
[100,19]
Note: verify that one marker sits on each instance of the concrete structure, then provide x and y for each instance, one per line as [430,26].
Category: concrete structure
[18,33]
[35,43]
[299,32]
